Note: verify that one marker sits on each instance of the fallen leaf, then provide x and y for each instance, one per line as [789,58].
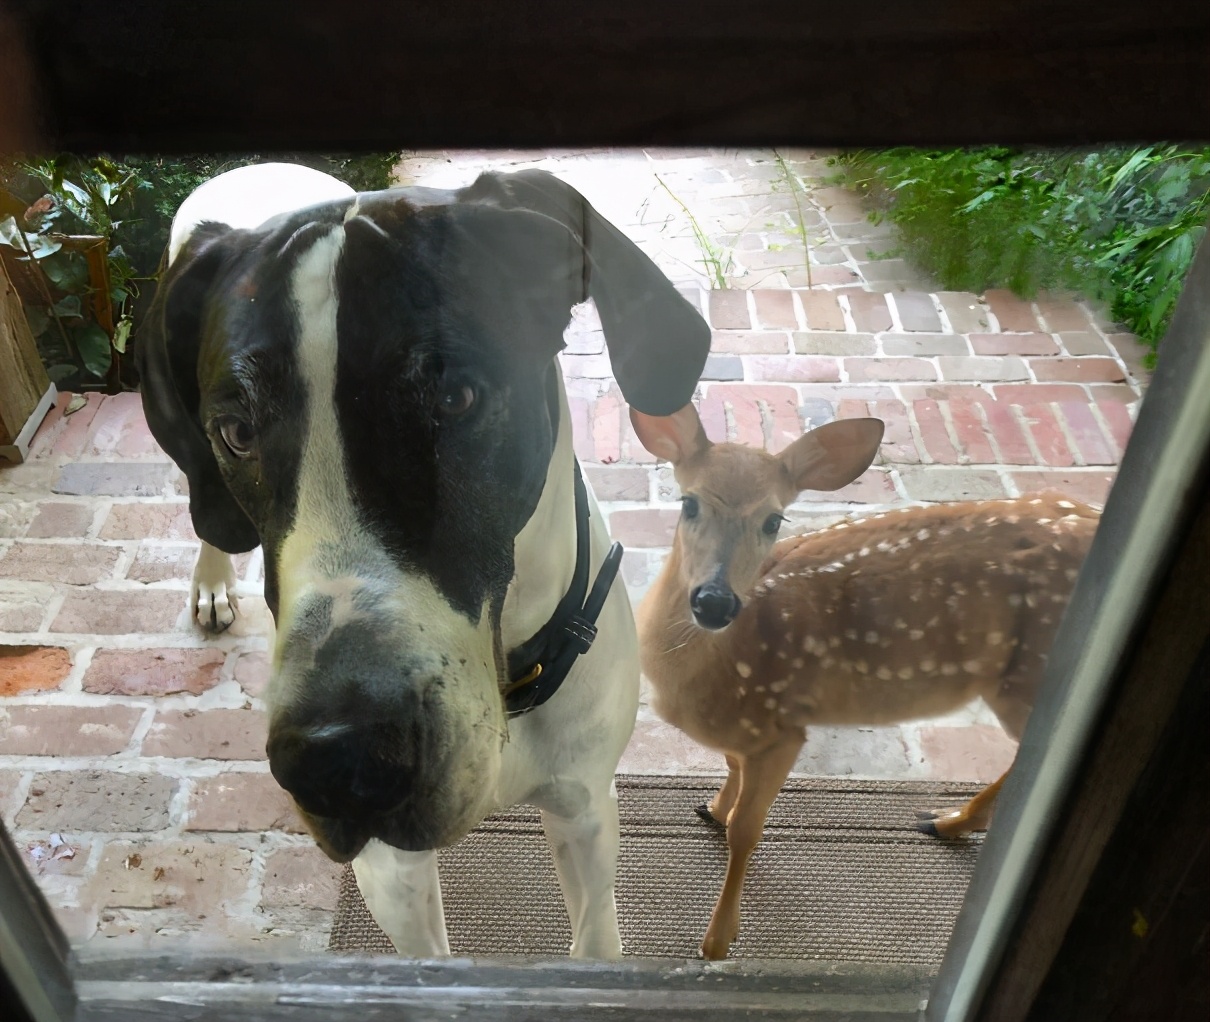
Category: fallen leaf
[158,874]
[77,402]
[133,861]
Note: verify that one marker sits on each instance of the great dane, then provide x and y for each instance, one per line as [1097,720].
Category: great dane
[366,386]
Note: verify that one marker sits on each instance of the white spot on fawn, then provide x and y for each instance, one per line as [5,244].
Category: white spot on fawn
[1066,505]
[743,670]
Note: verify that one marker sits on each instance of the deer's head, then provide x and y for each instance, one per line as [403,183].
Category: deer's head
[733,498]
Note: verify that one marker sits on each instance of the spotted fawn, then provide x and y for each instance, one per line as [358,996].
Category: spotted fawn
[899,616]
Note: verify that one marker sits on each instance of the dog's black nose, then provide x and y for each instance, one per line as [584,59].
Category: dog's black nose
[336,770]
[714,607]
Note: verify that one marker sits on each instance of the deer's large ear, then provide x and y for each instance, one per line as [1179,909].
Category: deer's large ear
[832,455]
[657,341]
[674,438]
[166,352]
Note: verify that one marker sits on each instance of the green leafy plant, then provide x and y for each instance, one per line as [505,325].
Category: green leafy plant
[48,205]
[1119,224]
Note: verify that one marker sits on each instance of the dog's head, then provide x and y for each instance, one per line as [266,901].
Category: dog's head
[366,388]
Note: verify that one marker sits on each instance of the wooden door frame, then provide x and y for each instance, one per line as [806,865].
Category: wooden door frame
[1043,924]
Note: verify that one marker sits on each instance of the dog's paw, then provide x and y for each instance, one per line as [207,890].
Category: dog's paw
[212,598]
[214,607]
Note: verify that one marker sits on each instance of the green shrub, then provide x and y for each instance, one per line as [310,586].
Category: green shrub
[1119,224]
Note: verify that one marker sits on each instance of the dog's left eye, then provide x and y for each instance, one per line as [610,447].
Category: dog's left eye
[238,435]
[456,400]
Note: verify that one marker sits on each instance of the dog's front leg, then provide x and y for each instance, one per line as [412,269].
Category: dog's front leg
[212,601]
[403,893]
[585,850]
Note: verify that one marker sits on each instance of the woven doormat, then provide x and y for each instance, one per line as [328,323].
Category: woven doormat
[841,875]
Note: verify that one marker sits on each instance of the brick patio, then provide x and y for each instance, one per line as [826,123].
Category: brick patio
[132,769]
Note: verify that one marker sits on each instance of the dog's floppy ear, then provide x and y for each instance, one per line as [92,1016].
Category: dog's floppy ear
[657,342]
[166,354]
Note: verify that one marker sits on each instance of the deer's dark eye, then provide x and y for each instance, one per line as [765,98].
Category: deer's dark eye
[238,435]
[772,524]
[690,507]
[456,400]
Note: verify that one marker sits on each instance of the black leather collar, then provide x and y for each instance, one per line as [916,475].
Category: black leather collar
[538,666]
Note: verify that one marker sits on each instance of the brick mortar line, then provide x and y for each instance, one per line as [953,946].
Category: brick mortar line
[1068,437]
[175,767]
[1095,408]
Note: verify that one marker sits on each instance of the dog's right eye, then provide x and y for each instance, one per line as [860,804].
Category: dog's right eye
[690,507]
[238,435]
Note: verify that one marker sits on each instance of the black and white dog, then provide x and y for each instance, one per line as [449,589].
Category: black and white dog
[366,385]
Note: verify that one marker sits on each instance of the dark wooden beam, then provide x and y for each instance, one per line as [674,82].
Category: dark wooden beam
[223,75]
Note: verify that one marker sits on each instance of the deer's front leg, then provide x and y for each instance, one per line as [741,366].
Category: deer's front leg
[760,779]
[720,806]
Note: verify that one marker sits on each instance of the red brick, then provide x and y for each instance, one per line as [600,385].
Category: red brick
[1086,432]
[66,435]
[300,877]
[793,369]
[964,311]
[607,414]
[643,527]
[775,309]
[972,432]
[207,734]
[924,344]
[115,478]
[61,520]
[619,482]
[75,564]
[1031,393]
[23,605]
[822,310]
[1080,370]
[835,344]
[935,483]
[749,342]
[821,275]
[1086,343]
[869,309]
[729,310]
[66,730]
[252,671]
[32,668]
[1007,431]
[55,857]
[1014,344]
[1062,314]
[158,562]
[10,783]
[149,521]
[898,444]
[970,367]
[1012,312]
[873,486]
[1090,487]
[96,800]
[978,752]
[119,428]
[1122,392]
[761,416]
[632,448]
[723,367]
[110,612]
[916,312]
[880,369]
[933,433]
[1047,435]
[1117,418]
[153,672]
[198,879]
[1134,353]
[241,802]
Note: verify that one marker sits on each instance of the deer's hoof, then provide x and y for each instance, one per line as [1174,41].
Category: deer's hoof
[704,812]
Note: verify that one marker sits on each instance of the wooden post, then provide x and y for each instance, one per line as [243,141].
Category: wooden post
[26,393]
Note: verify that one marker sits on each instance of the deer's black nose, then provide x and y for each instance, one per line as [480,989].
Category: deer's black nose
[714,606]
